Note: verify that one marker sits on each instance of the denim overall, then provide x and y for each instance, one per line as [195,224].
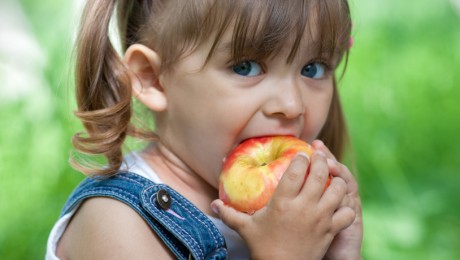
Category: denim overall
[184,228]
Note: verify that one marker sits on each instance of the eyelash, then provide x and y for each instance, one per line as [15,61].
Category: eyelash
[327,67]
[249,65]
[324,62]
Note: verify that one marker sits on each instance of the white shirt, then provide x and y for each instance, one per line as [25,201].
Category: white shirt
[134,163]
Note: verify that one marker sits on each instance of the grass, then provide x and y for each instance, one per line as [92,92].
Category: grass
[400,96]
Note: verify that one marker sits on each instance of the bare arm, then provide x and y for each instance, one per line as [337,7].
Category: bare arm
[105,228]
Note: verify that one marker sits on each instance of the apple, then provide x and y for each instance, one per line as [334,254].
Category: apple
[253,169]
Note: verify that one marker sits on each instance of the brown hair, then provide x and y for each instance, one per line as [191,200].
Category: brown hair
[174,28]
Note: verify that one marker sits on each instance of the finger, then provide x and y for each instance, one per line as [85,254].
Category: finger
[335,195]
[234,219]
[319,145]
[292,180]
[317,177]
[347,201]
[342,219]
[337,169]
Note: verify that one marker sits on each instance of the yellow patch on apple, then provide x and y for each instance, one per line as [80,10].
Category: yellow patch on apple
[253,169]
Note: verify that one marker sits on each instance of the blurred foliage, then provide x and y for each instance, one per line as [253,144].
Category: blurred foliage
[400,96]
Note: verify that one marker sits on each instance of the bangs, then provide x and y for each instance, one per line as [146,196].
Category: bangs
[262,28]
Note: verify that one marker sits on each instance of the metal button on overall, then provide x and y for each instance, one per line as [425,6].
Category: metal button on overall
[164,199]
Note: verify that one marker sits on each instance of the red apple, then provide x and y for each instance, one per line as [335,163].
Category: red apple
[253,169]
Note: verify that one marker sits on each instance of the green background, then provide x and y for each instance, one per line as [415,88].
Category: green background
[401,95]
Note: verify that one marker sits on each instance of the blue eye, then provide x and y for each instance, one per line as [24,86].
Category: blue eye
[314,70]
[247,68]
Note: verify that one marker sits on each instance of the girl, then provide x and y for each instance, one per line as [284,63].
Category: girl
[214,73]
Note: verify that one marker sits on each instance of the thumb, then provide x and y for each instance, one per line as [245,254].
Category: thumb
[231,217]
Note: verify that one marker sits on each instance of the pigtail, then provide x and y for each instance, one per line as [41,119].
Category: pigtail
[103,93]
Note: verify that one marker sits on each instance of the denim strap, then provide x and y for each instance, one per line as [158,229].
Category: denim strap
[182,227]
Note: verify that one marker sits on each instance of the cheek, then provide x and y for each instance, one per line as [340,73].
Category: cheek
[317,113]
[207,137]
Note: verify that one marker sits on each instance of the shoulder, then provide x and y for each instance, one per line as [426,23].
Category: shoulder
[105,228]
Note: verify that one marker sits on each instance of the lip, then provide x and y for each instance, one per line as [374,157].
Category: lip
[266,135]
[243,139]
[258,136]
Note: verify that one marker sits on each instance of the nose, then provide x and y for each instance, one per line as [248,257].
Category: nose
[285,100]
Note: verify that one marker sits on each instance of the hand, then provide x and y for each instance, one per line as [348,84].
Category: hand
[347,243]
[301,219]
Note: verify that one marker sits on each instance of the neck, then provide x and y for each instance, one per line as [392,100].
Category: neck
[175,173]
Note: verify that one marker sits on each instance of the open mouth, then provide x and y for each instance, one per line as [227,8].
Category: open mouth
[268,135]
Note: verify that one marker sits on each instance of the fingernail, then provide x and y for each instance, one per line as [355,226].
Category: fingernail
[316,143]
[303,155]
[214,208]
[319,142]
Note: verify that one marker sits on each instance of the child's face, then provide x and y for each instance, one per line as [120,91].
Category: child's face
[212,109]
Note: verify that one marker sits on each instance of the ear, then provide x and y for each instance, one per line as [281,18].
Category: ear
[143,64]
